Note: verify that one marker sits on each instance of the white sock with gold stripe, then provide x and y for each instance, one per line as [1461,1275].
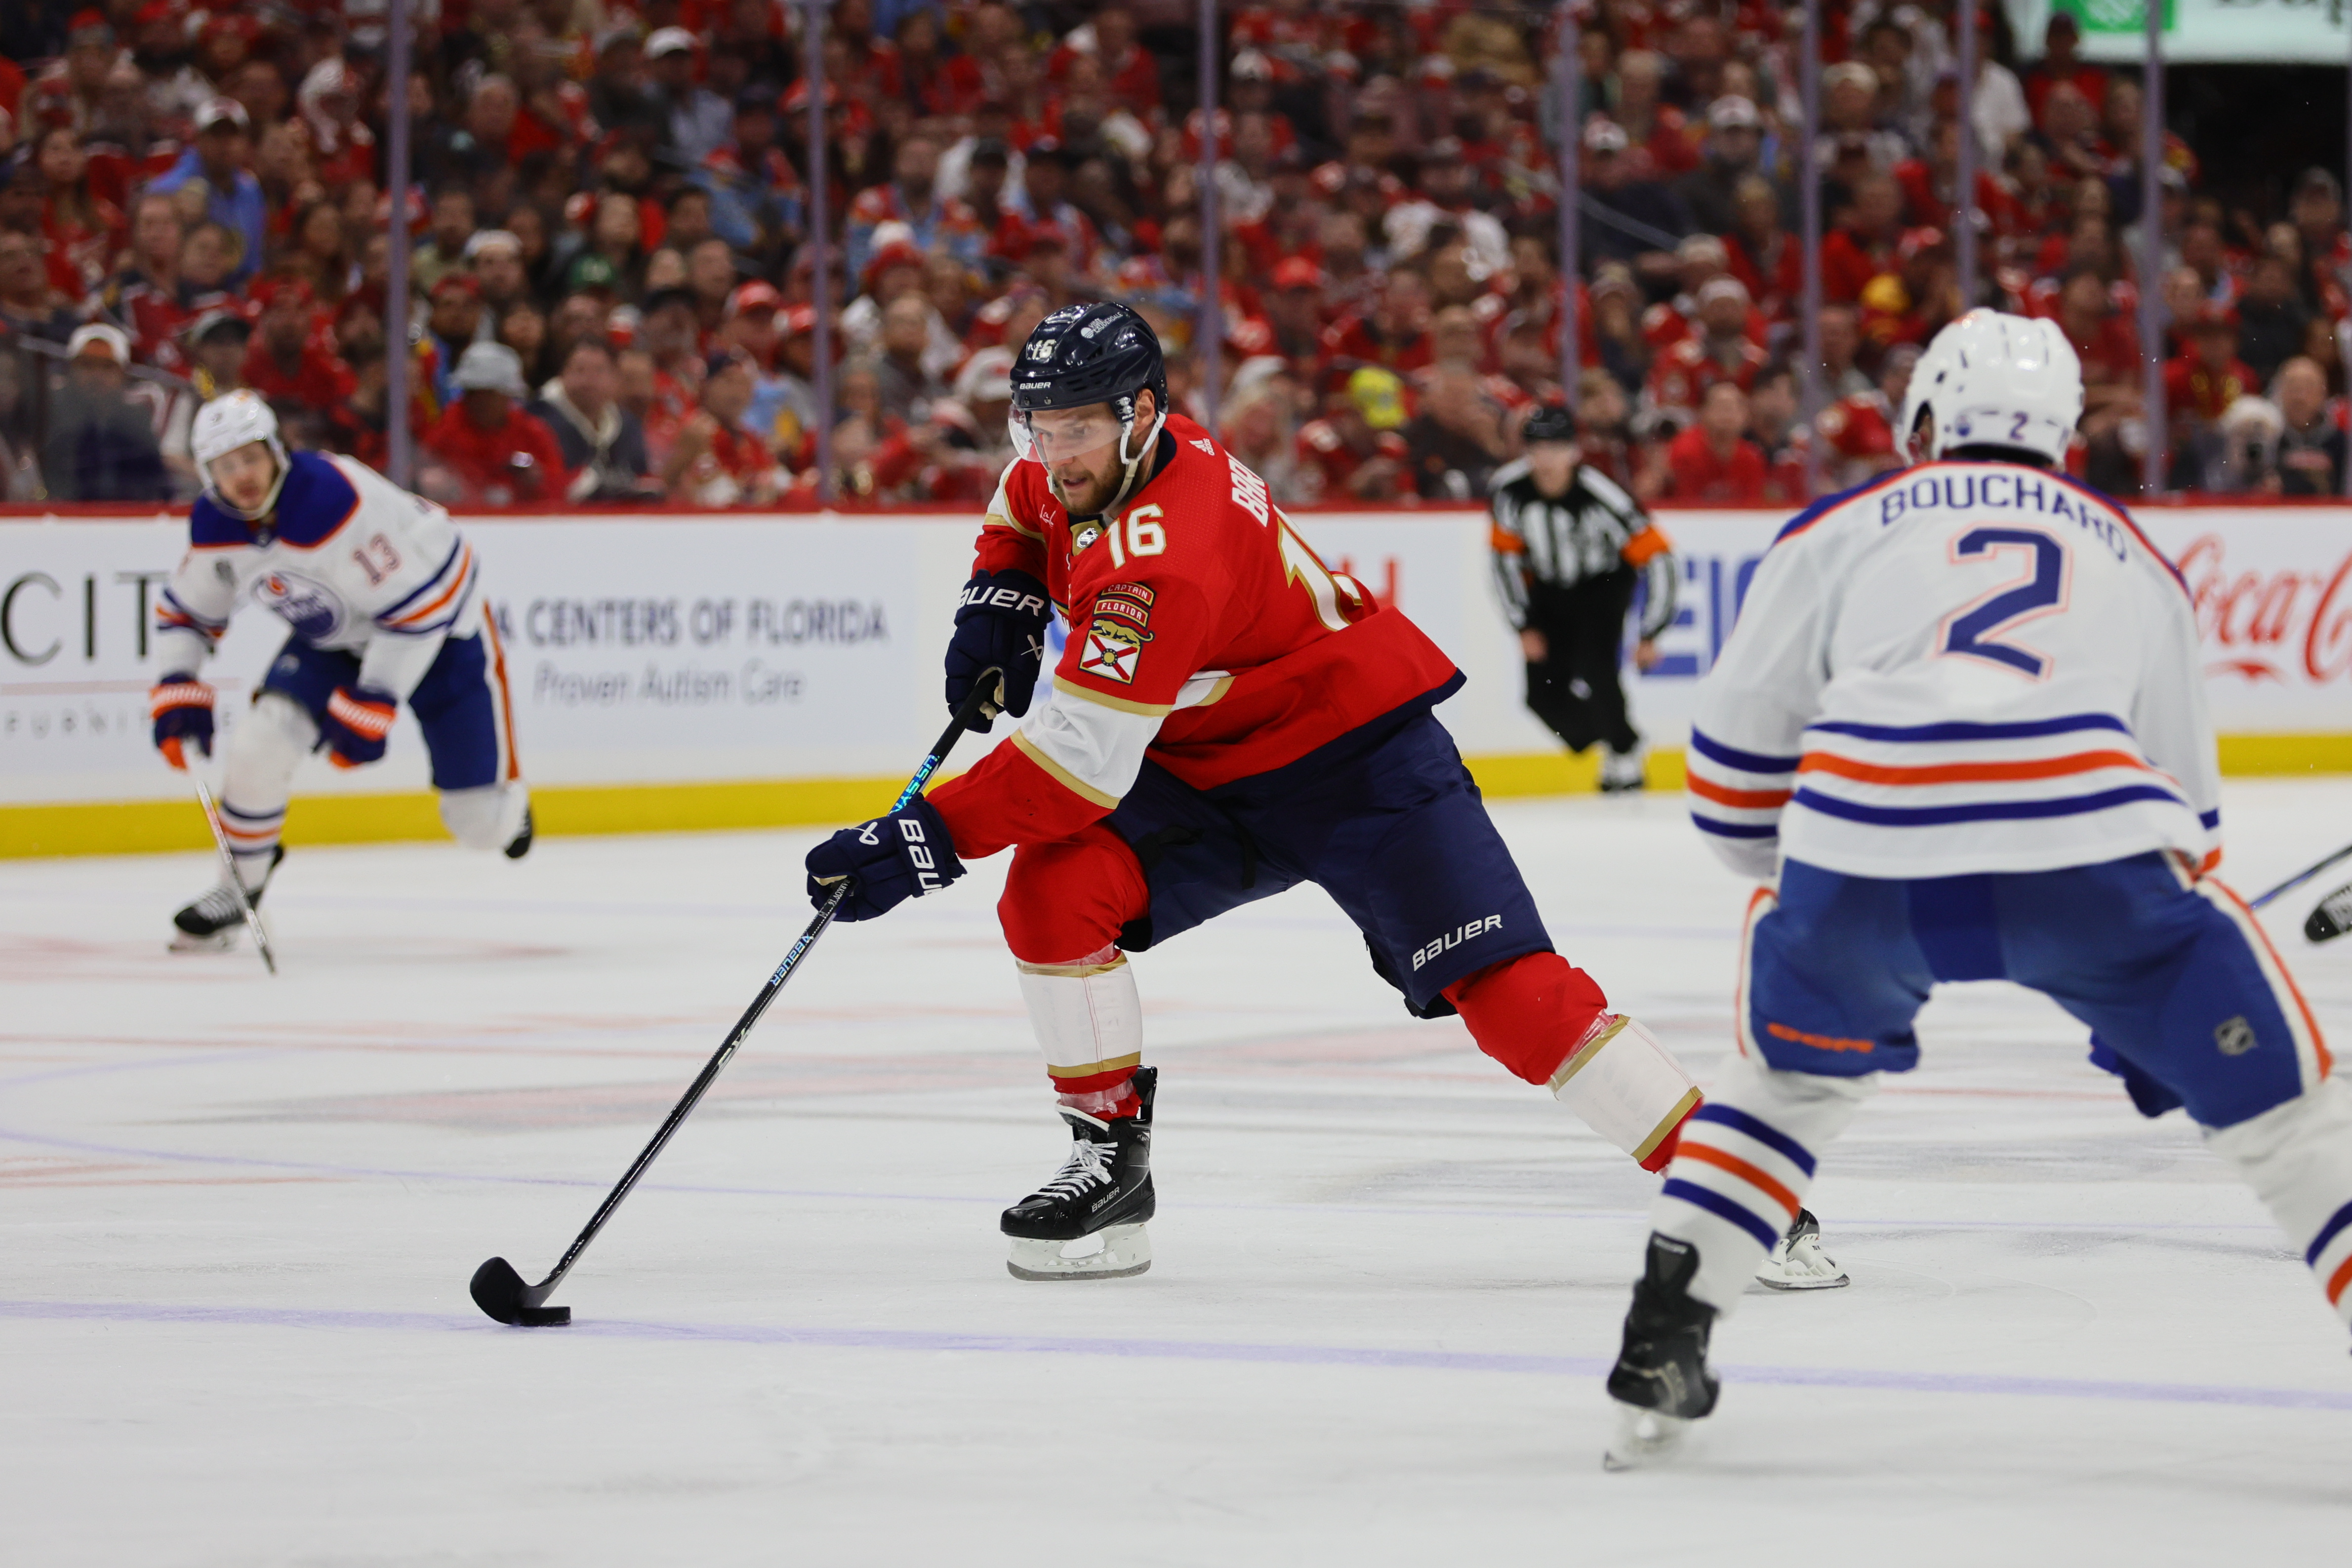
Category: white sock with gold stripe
[1089,1023]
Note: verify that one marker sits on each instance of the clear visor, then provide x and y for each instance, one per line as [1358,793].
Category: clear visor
[1056,435]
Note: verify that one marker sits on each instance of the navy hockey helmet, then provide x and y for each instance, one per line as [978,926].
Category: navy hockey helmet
[1549,422]
[1082,355]
[1087,354]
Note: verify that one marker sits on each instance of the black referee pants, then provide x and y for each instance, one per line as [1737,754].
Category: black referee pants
[1576,690]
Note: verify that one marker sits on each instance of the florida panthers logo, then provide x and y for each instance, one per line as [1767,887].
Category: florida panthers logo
[310,607]
[1112,649]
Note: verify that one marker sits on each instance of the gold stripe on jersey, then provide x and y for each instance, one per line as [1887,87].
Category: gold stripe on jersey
[1061,775]
[1123,705]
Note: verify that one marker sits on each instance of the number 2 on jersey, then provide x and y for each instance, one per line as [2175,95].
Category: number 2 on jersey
[1974,630]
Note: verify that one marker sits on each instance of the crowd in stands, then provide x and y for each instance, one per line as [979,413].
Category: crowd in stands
[614,288]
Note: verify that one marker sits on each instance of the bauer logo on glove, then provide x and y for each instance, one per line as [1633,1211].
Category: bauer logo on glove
[887,861]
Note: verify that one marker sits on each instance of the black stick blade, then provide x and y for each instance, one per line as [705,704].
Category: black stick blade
[498,1291]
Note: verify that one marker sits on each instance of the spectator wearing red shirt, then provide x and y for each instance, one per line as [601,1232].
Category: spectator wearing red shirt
[1663,145]
[1294,310]
[1357,450]
[1768,262]
[1721,352]
[1713,461]
[1393,334]
[2203,384]
[1132,75]
[485,450]
[2062,62]
[293,359]
[1859,251]
[716,461]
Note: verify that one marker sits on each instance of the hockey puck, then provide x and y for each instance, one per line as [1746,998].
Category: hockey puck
[544,1317]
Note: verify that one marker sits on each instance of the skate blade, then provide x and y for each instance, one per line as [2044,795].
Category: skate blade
[1126,1251]
[1804,1267]
[220,941]
[1644,1437]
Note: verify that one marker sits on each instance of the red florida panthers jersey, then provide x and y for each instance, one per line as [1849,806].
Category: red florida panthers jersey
[1203,633]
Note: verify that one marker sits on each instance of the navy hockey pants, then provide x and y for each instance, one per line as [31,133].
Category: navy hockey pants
[1385,820]
[461,704]
[2185,996]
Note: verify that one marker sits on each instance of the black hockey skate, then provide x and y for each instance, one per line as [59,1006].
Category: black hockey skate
[2333,917]
[1661,1382]
[210,924]
[1103,1190]
[520,845]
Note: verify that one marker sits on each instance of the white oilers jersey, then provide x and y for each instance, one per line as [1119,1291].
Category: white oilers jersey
[348,560]
[1962,668]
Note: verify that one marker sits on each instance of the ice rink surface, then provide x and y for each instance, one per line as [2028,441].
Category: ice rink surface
[240,1215]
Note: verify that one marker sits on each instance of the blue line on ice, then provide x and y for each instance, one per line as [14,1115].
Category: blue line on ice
[931,1342]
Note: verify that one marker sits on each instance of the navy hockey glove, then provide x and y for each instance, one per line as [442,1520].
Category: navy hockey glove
[1000,620]
[182,708]
[355,724]
[887,861]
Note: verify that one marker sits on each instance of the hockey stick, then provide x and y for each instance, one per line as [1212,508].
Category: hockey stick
[497,1288]
[2299,878]
[228,864]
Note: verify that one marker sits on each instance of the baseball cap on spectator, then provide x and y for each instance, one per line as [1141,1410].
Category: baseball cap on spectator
[1379,396]
[1346,67]
[109,342]
[465,282]
[1297,272]
[1733,112]
[492,239]
[2213,318]
[209,324]
[1436,68]
[903,253]
[1917,242]
[1251,64]
[986,377]
[1716,289]
[719,360]
[222,112]
[755,100]
[1850,71]
[1703,248]
[664,298]
[669,41]
[753,296]
[2316,182]
[618,32]
[1251,336]
[799,319]
[620,326]
[1605,136]
[291,290]
[591,273]
[88,27]
[490,367]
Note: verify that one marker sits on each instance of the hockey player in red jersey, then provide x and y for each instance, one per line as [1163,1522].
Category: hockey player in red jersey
[1230,719]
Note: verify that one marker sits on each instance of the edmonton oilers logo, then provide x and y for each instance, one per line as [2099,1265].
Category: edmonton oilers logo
[310,608]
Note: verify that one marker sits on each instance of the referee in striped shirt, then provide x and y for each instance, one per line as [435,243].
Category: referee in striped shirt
[1571,545]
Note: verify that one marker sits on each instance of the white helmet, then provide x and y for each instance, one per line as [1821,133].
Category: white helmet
[230,421]
[1995,380]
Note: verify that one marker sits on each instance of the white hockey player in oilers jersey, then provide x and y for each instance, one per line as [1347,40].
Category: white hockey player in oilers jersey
[1959,734]
[382,596]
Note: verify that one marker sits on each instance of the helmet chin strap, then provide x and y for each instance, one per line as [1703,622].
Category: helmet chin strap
[1126,481]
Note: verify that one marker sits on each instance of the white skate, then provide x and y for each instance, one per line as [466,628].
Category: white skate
[1798,1263]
